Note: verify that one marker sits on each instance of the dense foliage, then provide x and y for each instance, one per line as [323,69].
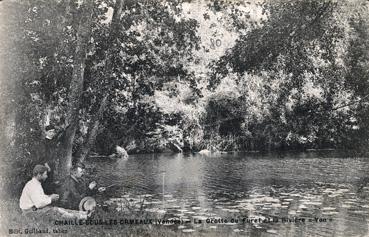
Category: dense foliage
[152,76]
[310,61]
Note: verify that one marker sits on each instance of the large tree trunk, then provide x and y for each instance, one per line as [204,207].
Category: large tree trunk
[63,153]
[92,131]
[95,122]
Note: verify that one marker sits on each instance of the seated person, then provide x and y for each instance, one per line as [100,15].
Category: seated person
[74,188]
[33,196]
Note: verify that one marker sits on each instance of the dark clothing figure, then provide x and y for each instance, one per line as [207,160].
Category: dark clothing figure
[72,191]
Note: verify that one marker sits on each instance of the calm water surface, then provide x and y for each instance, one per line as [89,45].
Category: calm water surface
[269,188]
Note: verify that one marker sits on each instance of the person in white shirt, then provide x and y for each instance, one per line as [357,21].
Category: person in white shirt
[33,196]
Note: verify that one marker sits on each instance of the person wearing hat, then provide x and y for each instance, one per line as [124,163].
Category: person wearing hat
[33,196]
[74,188]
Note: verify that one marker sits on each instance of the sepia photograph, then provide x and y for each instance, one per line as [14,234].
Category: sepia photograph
[165,118]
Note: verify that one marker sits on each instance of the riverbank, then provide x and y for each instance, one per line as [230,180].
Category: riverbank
[195,187]
[102,224]
[277,153]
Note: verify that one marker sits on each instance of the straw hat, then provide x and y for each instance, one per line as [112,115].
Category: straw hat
[87,204]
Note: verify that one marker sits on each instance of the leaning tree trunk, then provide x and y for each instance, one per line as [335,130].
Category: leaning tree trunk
[95,122]
[63,153]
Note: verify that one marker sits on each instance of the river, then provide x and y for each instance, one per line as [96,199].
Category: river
[316,193]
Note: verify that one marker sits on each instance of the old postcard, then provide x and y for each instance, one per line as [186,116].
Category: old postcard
[184,118]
